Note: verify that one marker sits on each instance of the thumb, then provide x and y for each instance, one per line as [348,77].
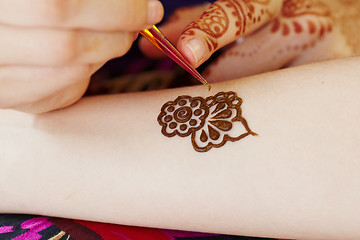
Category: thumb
[172,28]
[222,23]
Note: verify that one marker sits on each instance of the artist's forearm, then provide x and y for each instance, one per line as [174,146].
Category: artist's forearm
[105,159]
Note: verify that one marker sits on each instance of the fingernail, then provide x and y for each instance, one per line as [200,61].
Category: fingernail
[197,50]
[155,11]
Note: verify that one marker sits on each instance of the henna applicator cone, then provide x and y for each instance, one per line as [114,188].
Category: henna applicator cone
[156,37]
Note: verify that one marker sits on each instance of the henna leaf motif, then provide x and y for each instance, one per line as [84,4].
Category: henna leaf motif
[223,124]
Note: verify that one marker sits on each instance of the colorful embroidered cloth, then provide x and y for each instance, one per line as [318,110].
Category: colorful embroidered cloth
[27,227]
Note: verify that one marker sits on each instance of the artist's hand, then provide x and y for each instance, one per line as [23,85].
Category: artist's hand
[273,34]
[49,49]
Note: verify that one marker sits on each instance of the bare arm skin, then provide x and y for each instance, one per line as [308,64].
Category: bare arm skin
[105,159]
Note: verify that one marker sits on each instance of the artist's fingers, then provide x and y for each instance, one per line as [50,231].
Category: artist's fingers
[303,33]
[41,46]
[60,99]
[173,28]
[222,23]
[125,15]
[34,89]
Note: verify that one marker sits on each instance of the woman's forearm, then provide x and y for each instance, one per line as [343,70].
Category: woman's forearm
[105,159]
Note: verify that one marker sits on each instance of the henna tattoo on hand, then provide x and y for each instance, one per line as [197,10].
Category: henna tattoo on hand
[215,21]
[297,17]
[211,122]
[293,9]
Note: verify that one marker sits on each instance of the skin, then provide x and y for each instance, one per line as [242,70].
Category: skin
[298,179]
[275,35]
[51,48]
[222,23]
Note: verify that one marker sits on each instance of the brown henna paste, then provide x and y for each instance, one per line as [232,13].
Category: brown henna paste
[211,122]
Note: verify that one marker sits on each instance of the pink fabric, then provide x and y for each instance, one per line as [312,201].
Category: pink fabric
[35,225]
[6,229]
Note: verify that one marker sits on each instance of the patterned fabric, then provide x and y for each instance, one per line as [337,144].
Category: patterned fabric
[29,227]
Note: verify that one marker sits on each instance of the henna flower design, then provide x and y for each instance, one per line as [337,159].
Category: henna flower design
[211,122]
[183,116]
